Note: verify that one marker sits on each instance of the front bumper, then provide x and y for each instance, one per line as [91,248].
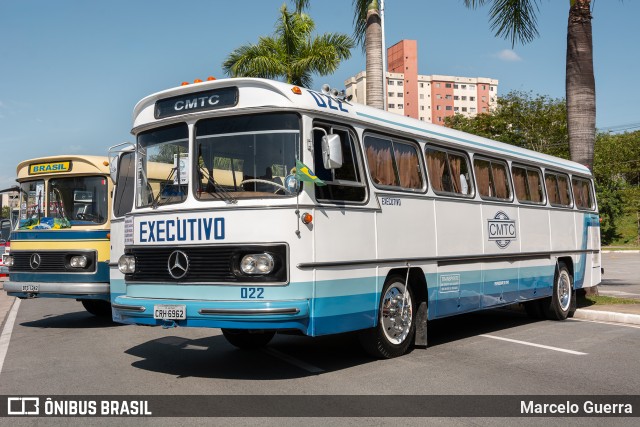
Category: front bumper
[288,314]
[95,290]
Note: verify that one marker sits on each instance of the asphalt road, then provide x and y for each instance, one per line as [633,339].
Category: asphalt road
[621,275]
[57,348]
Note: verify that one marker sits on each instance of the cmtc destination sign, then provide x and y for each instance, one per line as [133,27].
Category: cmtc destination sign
[198,101]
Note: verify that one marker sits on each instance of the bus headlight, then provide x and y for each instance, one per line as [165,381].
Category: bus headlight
[127,264]
[257,264]
[79,261]
[8,261]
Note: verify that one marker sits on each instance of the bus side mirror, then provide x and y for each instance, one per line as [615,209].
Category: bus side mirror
[331,151]
[114,158]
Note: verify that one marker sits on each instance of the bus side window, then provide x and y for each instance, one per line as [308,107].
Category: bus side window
[528,184]
[583,193]
[449,172]
[345,183]
[393,163]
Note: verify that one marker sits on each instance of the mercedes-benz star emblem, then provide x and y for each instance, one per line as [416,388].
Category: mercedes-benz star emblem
[34,261]
[178,264]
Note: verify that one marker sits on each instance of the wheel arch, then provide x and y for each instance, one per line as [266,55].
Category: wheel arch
[417,281]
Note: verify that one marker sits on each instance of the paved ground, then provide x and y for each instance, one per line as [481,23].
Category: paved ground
[621,275]
[56,348]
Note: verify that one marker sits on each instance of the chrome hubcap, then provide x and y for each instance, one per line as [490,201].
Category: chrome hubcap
[396,313]
[564,290]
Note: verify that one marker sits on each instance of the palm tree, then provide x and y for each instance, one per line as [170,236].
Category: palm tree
[516,20]
[368,34]
[292,53]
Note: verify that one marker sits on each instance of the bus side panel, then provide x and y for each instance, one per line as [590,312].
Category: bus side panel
[405,227]
[346,298]
[563,230]
[587,228]
[501,237]
[535,277]
[459,233]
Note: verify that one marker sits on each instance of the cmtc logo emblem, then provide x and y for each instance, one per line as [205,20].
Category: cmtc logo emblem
[502,230]
[178,264]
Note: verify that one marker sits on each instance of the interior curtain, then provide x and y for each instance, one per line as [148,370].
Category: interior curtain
[563,188]
[520,183]
[435,168]
[455,163]
[500,181]
[482,177]
[534,186]
[408,166]
[552,192]
[380,165]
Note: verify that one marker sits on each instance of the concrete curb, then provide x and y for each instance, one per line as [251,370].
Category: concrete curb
[607,316]
[621,251]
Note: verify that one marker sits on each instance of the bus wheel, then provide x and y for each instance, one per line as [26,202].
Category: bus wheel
[248,339]
[97,307]
[396,321]
[560,305]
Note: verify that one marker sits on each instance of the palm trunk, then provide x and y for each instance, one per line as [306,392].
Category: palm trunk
[373,50]
[580,84]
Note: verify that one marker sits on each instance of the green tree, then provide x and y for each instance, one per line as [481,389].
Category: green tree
[516,20]
[368,34]
[535,122]
[6,212]
[292,53]
[617,173]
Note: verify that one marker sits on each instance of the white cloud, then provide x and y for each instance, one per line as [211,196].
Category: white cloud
[508,55]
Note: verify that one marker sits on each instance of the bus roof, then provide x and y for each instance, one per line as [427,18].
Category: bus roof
[255,93]
[56,165]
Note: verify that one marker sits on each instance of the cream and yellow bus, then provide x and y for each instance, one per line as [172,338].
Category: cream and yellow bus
[60,246]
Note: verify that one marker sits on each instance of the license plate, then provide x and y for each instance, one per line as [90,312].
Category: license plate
[169,312]
[29,288]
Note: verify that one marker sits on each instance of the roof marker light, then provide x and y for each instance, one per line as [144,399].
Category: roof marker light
[184,83]
[296,90]
[197,81]
[210,78]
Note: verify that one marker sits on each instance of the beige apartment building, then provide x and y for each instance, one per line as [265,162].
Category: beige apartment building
[429,98]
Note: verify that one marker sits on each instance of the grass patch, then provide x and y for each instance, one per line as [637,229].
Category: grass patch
[589,300]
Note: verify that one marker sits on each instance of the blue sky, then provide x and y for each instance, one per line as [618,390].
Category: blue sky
[72,70]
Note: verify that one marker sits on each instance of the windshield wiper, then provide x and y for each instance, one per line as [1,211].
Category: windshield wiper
[59,204]
[221,192]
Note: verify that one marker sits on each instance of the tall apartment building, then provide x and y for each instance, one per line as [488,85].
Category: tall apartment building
[430,98]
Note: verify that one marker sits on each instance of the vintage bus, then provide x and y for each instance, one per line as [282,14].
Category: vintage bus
[60,246]
[402,221]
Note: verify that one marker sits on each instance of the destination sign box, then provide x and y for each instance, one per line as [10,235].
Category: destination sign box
[53,167]
[198,101]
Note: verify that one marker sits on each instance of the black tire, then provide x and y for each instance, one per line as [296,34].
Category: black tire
[391,338]
[558,307]
[248,339]
[97,307]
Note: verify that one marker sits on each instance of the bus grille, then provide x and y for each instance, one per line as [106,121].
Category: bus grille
[50,262]
[207,264]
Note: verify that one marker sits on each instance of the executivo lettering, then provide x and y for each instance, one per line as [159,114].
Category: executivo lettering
[181,230]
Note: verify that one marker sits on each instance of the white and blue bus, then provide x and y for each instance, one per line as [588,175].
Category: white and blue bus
[402,222]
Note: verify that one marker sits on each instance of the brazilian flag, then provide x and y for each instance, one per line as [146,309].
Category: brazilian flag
[303,173]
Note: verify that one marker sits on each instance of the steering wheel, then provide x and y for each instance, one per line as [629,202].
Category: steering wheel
[266,181]
[86,217]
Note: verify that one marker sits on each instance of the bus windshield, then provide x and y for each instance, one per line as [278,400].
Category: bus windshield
[82,200]
[163,174]
[247,156]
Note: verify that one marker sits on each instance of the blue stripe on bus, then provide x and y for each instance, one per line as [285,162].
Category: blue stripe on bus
[59,235]
[467,141]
